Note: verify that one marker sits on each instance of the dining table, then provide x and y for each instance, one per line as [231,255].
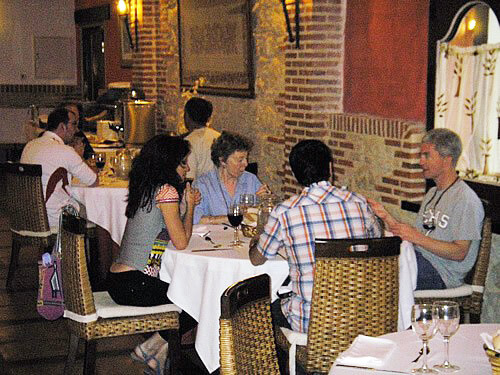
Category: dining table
[105,206]
[466,351]
[199,274]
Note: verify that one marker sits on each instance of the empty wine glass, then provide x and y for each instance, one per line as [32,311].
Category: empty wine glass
[448,313]
[235,217]
[424,324]
[247,200]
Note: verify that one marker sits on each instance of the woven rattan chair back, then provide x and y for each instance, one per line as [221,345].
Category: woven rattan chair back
[78,297]
[355,292]
[79,300]
[246,335]
[26,210]
[472,304]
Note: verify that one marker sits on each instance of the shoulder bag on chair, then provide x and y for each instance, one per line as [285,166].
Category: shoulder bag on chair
[50,301]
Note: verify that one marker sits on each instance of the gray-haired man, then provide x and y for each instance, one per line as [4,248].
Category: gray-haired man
[448,226]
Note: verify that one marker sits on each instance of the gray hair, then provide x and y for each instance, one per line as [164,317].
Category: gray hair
[446,142]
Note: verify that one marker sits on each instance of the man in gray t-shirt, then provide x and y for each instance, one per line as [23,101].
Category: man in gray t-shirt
[448,226]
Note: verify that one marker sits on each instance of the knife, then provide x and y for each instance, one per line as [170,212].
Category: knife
[373,369]
[214,249]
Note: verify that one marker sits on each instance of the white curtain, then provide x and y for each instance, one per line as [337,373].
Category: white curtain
[468,102]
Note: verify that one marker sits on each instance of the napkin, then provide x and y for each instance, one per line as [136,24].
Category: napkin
[488,340]
[366,351]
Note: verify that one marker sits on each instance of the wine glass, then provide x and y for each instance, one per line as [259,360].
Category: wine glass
[100,161]
[113,163]
[448,313]
[247,200]
[235,217]
[424,324]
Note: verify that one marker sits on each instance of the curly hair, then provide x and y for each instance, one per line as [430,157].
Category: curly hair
[228,143]
[155,166]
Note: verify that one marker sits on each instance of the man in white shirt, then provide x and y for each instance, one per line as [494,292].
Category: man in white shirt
[197,112]
[60,163]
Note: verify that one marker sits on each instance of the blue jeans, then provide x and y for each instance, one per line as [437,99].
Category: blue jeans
[427,276]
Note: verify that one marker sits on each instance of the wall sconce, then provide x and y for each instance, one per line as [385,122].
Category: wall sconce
[123,11]
[291,38]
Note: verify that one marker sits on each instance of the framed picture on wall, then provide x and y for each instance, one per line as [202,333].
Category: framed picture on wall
[125,44]
[215,42]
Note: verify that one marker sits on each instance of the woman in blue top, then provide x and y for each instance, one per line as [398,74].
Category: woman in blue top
[224,184]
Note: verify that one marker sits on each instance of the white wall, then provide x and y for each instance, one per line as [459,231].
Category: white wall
[20,22]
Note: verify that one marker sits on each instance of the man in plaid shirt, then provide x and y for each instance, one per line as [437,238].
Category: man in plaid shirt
[321,210]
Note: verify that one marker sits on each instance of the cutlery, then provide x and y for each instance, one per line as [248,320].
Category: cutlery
[373,369]
[209,240]
[214,249]
[420,353]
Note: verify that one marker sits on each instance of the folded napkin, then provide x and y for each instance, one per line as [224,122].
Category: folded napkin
[488,340]
[366,351]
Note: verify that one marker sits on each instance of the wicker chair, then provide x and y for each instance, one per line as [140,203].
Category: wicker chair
[246,333]
[354,293]
[26,210]
[92,316]
[470,295]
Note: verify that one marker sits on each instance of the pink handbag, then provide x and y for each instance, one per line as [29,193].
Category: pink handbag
[50,301]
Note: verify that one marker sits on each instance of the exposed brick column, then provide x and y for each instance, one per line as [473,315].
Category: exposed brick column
[149,70]
[313,76]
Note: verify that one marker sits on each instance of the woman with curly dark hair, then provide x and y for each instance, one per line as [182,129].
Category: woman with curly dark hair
[160,208]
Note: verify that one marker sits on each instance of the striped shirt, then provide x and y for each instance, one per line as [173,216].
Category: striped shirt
[320,211]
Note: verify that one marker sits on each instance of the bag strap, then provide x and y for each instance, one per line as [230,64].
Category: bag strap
[66,210]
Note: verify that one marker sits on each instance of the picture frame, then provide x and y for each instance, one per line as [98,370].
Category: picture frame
[215,42]
[125,44]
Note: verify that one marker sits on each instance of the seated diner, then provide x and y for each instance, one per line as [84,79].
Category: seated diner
[224,184]
[160,209]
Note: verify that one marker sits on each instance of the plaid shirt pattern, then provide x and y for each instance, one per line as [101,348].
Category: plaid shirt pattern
[320,211]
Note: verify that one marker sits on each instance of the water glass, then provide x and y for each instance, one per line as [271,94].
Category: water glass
[448,313]
[424,324]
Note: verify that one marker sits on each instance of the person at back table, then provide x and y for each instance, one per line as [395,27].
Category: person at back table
[160,208]
[321,210]
[223,185]
[60,163]
[197,113]
[447,231]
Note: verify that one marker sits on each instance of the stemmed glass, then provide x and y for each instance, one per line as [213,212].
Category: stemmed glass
[235,217]
[448,313]
[247,200]
[424,324]
[100,161]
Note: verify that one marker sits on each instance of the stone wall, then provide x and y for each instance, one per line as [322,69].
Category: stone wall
[299,95]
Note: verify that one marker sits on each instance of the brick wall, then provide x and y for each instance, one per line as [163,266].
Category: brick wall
[313,76]
[299,95]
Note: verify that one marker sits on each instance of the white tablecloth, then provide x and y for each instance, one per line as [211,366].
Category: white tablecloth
[466,351]
[105,205]
[197,281]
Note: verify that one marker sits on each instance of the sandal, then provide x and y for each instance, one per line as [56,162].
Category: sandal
[145,359]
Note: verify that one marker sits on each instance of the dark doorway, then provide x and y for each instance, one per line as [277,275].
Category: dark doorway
[93,73]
